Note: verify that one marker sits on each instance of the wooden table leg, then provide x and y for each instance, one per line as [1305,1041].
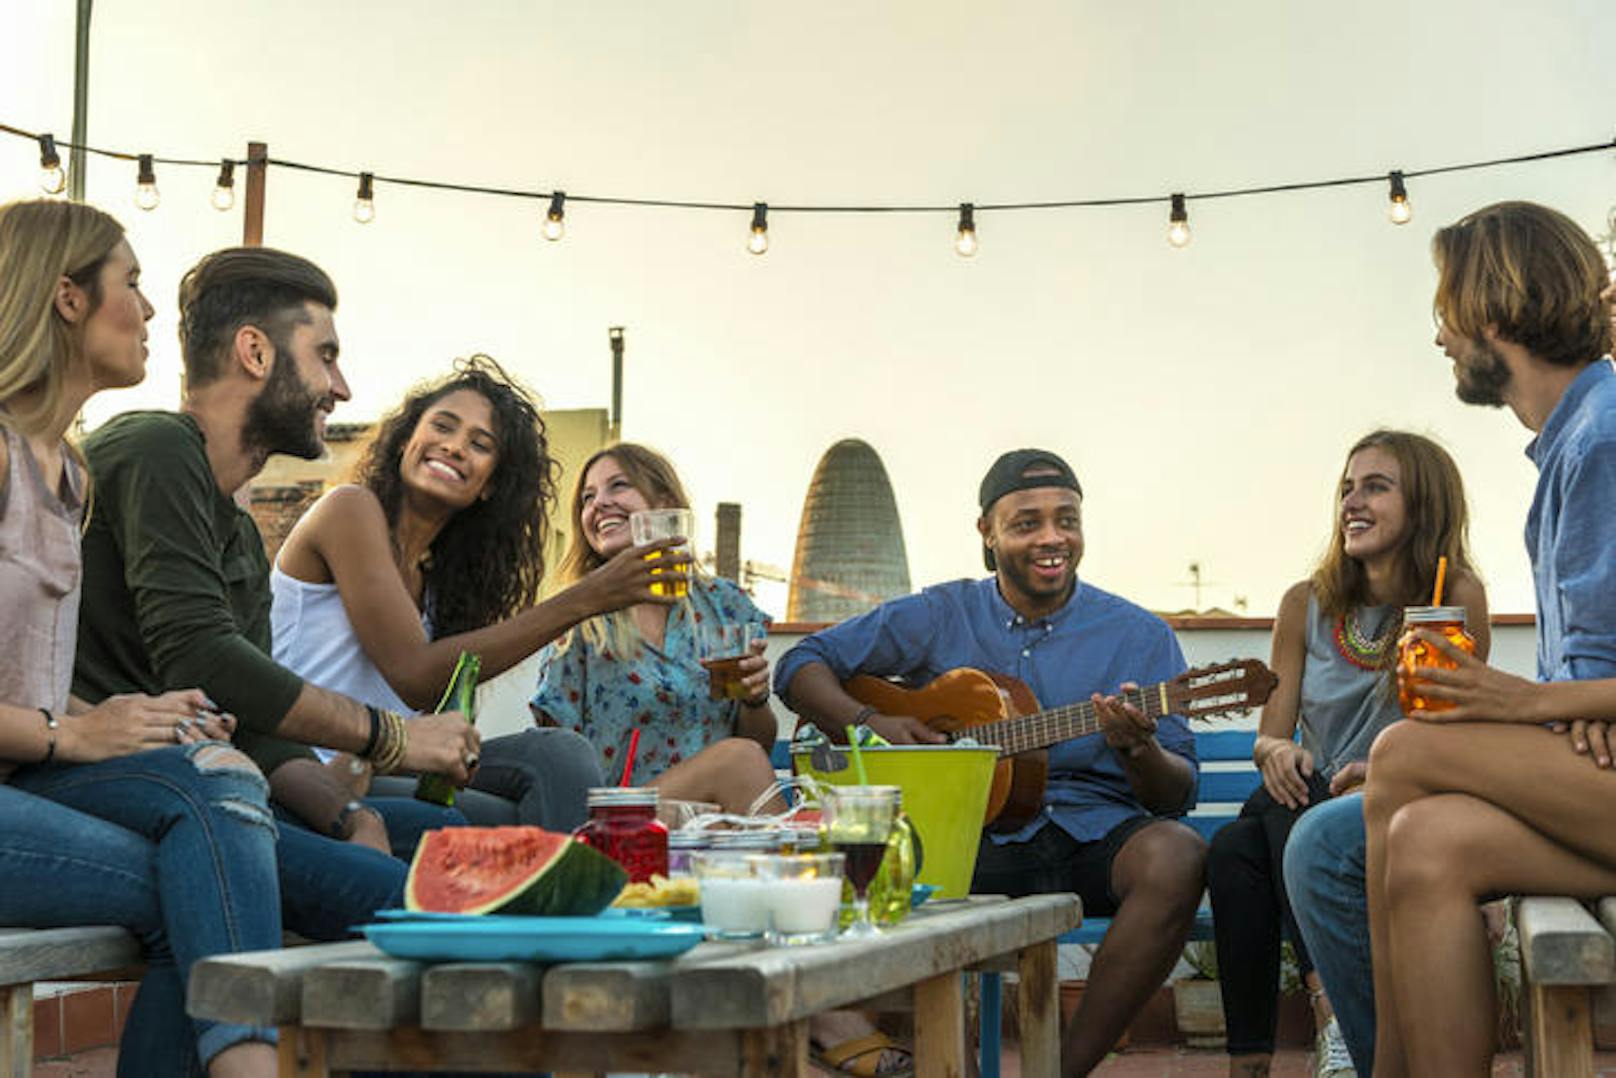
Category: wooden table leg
[17,1030]
[302,1053]
[775,1052]
[1039,1009]
[1560,1037]
[940,1027]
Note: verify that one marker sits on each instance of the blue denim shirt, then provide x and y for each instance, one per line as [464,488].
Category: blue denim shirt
[1092,644]
[1569,530]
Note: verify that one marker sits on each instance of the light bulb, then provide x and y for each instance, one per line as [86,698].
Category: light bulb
[1400,212]
[224,190]
[146,196]
[555,224]
[758,241]
[965,242]
[1178,223]
[364,207]
[52,178]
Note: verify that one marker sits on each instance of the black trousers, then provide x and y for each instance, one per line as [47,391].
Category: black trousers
[1251,913]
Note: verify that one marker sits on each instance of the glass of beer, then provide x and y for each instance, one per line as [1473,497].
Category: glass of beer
[650,525]
[858,822]
[722,649]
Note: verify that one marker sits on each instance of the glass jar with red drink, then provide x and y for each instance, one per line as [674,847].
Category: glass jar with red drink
[623,825]
[1414,655]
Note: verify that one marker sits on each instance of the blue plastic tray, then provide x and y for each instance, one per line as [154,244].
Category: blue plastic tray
[456,938]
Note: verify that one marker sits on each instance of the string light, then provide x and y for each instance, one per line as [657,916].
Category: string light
[146,195]
[1400,211]
[224,191]
[1178,223]
[52,178]
[364,207]
[758,241]
[555,225]
[965,242]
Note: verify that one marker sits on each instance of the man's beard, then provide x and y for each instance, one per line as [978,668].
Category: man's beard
[1481,376]
[281,418]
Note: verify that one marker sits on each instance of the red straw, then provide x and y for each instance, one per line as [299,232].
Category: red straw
[628,764]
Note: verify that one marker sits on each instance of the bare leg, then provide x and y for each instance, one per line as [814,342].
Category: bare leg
[1158,875]
[244,1060]
[1445,854]
[731,773]
[1414,760]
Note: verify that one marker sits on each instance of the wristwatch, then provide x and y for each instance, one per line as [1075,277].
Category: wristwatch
[342,827]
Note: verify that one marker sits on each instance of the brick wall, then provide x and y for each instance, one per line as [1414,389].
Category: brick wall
[277,508]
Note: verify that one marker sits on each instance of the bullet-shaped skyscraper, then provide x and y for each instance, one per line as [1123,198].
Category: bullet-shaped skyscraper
[850,554]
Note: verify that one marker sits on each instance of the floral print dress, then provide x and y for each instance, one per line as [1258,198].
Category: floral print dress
[663,691]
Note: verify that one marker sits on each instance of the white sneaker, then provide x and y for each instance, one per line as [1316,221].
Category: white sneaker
[1330,1056]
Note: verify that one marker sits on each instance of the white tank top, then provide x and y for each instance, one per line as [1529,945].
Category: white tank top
[315,639]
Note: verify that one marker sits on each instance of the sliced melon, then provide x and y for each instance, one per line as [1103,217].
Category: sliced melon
[512,870]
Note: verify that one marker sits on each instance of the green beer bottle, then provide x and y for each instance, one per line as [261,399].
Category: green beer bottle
[461,696]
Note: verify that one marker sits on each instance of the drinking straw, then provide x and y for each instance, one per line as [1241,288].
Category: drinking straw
[1441,571]
[628,764]
[858,757]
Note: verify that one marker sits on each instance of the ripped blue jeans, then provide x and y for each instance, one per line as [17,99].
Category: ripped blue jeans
[189,866]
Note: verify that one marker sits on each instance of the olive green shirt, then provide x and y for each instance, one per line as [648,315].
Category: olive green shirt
[176,583]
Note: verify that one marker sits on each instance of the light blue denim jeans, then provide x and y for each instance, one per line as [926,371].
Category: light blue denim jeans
[189,866]
[1324,875]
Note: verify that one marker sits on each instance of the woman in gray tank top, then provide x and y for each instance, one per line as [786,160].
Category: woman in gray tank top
[1400,506]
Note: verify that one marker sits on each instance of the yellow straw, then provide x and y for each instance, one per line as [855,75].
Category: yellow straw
[858,757]
[1441,571]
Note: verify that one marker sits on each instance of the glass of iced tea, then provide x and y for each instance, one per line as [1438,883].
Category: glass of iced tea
[650,525]
[858,822]
[722,649]
[1414,655]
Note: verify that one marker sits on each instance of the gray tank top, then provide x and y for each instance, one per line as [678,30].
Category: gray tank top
[40,573]
[1344,706]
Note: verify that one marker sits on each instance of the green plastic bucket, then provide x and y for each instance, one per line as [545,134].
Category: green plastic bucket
[945,794]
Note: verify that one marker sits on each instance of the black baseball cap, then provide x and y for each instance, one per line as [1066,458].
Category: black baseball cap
[1008,475]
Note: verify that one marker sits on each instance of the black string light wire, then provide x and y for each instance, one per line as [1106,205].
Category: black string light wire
[52,177]
[757,242]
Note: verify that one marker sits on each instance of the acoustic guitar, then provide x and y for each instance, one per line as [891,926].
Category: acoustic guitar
[998,710]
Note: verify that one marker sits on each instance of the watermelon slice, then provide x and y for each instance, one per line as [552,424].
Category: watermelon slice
[512,870]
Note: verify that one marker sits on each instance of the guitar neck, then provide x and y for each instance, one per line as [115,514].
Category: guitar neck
[1041,729]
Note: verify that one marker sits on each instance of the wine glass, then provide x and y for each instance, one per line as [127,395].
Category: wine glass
[858,821]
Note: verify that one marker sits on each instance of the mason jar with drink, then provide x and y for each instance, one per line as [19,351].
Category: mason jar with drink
[1415,654]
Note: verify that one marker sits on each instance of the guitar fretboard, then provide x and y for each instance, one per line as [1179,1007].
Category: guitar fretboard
[1043,728]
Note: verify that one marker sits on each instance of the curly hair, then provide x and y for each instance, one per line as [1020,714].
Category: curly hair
[488,561]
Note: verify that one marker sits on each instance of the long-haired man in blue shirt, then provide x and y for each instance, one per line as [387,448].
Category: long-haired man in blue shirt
[1105,830]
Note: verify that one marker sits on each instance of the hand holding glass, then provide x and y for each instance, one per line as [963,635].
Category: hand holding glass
[649,525]
[858,821]
[722,649]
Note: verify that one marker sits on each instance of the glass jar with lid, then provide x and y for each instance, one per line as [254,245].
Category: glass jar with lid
[623,825]
[1414,654]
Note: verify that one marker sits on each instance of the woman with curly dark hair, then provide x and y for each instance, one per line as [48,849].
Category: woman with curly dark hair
[438,548]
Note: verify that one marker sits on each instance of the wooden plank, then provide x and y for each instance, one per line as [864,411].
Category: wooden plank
[605,996]
[470,997]
[262,988]
[778,1052]
[63,954]
[1606,909]
[1561,943]
[706,1053]
[301,1054]
[363,993]
[939,1028]
[1560,1038]
[1039,1010]
[776,986]
[16,1030]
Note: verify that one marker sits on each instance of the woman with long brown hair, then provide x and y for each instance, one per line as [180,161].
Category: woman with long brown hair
[1399,507]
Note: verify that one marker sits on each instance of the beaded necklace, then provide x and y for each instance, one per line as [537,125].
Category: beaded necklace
[1364,652]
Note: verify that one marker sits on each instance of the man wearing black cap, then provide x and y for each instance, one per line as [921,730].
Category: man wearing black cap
[1103,831]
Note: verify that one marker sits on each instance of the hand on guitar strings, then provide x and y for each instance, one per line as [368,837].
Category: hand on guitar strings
[905,730]
[1127,729]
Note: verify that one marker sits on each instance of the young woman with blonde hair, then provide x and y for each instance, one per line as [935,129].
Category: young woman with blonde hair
[135,812]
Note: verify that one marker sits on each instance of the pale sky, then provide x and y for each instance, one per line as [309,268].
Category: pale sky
[1205,396]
